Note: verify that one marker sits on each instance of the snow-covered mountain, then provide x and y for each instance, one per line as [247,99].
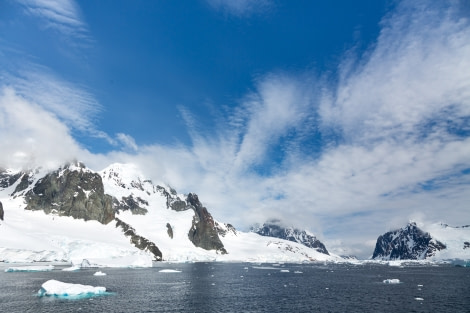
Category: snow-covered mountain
[117,217]
[274,228]
[433,242]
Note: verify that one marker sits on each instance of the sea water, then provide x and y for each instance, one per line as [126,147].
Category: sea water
[245,287]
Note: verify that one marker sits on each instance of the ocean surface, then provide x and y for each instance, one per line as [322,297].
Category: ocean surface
[246,287]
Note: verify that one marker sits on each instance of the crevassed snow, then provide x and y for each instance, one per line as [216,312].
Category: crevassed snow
[60,289]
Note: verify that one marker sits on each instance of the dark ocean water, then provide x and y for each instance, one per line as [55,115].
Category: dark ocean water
[219,287]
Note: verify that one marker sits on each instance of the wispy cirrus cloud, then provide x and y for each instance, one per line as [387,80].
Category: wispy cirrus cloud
[71,103]
[241,8]
[394,132]
[59,15]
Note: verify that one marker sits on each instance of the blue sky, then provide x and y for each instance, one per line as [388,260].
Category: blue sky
[344,118]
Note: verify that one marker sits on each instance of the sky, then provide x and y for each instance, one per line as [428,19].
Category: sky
[347,119]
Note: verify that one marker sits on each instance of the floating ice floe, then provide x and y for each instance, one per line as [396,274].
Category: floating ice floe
[284,271]
[45,268]
[392,281]
[419,299]
[57,288]
[99,273]
[169,271]
[297,272]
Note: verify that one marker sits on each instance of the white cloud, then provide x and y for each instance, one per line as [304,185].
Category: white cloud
[31,136]
[60,15]
[127,141]
[69,102]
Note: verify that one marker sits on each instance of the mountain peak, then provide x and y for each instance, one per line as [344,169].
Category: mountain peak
[274,228]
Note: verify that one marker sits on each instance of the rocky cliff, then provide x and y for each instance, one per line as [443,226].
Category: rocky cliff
[203,232]
[72,191]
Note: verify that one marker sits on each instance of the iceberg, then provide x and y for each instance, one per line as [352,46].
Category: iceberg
[99,273]
[169,271]
[45,268]
[65,290]
[392,281]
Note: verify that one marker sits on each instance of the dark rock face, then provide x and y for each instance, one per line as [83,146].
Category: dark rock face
[25,181]
[139,241]
[75,192]
[274,229]
[407,243]
[6,179]
[466,244]
[2,213]
[132,204]
[203,232]
[169,230]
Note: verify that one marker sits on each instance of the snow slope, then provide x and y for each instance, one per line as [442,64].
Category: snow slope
[455,239]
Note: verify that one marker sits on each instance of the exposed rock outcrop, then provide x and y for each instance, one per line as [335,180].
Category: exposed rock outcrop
[169,230]
[225,228]
[139,241]
[2,213]
[203,232]
[407,243]
[132,204]
[273,228]
[72,191]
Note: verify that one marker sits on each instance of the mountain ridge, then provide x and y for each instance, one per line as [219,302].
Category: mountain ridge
[66,215]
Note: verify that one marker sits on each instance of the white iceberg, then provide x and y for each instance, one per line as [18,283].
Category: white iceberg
[45,268]
[60,289]
[392,281]
[99,273]
[169,271]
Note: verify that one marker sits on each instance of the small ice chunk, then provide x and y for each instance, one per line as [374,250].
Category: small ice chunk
[59,289]
[297,272]
[99,273]
[38,268]
[419,299]
[392,281]
[420,285]
[284,271]
[169,271]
